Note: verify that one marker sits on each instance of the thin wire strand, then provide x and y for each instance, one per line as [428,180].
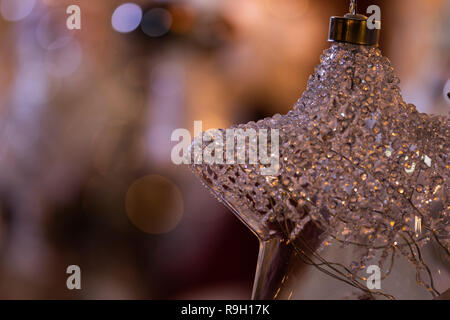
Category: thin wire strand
[307,258]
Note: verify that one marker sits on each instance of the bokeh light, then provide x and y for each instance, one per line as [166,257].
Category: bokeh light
[126,17]
[156,22]
[14,10]
[64,61]
[154,204]
[48,35]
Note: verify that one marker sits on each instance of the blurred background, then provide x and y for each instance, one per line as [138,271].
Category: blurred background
[86,118]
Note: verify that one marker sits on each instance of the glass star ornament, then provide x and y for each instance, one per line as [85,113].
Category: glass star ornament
[362,183]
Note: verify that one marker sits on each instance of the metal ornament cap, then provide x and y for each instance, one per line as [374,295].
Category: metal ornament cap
[352,28]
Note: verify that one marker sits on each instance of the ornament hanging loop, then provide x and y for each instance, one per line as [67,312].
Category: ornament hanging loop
[353,7]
